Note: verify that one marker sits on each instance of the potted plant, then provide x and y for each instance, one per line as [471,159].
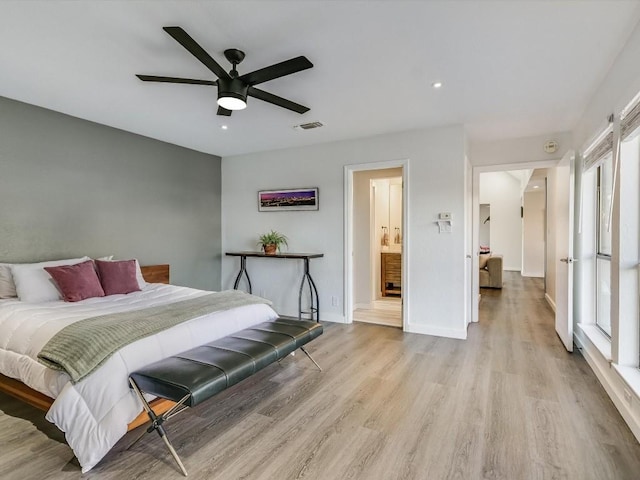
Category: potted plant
[271,242]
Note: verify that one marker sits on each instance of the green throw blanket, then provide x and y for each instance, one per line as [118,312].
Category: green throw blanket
[80,348]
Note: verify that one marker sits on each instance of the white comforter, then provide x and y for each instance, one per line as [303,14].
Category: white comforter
[94,413]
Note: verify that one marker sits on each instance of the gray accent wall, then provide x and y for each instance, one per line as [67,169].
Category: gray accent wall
[70,187]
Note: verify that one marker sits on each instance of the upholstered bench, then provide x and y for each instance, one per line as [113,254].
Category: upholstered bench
[193,376]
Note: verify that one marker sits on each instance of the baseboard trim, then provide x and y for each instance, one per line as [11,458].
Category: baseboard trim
[611,381]
[460,334]
[550,301]
[333,317]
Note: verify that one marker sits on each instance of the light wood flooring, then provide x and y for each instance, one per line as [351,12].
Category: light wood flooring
[385,311]
[507,403]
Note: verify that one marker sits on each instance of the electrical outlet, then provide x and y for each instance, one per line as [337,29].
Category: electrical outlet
[334,301]
[627,396]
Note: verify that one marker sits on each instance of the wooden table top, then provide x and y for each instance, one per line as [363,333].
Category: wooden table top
[277,255]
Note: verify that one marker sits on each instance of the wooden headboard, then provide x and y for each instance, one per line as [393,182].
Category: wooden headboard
[156,273]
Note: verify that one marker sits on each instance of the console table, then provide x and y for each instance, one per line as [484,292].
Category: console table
[314,308]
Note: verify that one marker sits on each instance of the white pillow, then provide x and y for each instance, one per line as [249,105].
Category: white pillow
[7,287]
[141,281]
[34,284]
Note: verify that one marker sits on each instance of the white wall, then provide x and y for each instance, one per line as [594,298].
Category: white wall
[533,234]
[395,214]
[550,293]
[619,87]
[502,192]
[485,224]
[362,238]
[434,297]
[519,150]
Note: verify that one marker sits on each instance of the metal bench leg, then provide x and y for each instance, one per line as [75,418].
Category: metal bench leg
[311,358]
[137,439]
[175,456]
[156,424]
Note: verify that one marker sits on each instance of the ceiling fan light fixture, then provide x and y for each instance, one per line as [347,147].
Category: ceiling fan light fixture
[232,94]
[232,103]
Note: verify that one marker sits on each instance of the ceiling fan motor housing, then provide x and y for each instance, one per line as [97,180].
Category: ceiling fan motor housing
[232,87]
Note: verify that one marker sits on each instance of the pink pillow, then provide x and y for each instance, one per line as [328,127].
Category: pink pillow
[118,277]
[76,282]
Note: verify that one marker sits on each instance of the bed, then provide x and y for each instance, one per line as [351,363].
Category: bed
[97,411]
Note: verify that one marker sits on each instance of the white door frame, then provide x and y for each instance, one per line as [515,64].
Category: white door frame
[475,279]
[348,232]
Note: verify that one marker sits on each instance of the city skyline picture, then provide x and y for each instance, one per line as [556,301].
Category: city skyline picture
[288,199]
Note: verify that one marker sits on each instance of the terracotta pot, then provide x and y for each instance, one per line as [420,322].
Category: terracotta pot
[270,249]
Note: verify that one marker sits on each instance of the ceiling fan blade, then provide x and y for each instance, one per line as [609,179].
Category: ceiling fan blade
[281,102]
[224,111]
[277,70]
[196,50]
[154,78]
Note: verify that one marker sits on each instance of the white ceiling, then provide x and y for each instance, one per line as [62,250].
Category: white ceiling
[510,68]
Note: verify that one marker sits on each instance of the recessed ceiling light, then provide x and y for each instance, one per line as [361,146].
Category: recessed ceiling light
[536,186]
[224,127]
[436,84]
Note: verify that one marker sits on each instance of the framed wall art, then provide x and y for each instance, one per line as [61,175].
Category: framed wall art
[288,199]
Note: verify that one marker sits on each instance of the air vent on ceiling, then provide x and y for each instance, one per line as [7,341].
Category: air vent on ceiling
[309,126]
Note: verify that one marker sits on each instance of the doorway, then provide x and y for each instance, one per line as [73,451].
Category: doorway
[378,246]
[528,255]
[375,248]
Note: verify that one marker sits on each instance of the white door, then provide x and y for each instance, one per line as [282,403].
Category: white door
[564,249]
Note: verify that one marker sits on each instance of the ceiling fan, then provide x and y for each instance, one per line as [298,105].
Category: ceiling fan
[233,89]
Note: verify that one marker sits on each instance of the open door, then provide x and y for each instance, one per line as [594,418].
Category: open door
[564,249]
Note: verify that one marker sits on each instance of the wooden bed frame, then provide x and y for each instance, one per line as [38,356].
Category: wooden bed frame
[17,389]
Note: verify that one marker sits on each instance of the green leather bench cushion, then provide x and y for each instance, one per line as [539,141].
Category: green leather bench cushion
[208,369]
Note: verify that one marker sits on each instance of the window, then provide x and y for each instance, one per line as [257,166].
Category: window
[629,321]
[603,244]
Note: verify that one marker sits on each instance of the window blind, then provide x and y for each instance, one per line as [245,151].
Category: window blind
[629,121]
[600,149]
